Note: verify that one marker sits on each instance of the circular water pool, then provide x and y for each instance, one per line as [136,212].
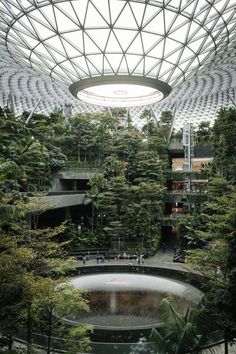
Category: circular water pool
[128,300]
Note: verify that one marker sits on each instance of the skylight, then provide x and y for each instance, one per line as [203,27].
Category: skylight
[74,40]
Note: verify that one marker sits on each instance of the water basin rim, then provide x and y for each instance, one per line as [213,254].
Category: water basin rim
[113,328]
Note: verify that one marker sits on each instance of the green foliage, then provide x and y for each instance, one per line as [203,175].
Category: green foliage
[8,211]
[11,292]
[190,230]
[148,167]
[22,145]
[165,124]
[166,117]
[77,339]
[224,137]
[216,225]
[27,294]
[158,145]
[113,167]
[149,128]
[8,169]
[203,134]
[218,187]
[126,142]
[182,332]
[98,181]
[33,207]
[57,160]
[92,197]
[86,138]
[129,192]
[37,167]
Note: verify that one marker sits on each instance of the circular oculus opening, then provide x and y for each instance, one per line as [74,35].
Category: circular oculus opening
[120,91]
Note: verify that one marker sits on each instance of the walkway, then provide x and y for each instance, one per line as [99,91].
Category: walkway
[161,259]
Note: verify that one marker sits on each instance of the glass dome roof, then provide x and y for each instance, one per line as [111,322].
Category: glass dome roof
[167,40]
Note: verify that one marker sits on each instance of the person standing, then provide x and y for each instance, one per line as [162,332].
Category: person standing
[164,247]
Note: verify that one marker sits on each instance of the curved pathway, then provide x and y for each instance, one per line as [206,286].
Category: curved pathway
[160,259]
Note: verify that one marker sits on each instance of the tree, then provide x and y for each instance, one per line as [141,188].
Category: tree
[98,181]
[113,167]
[77,339]
[26,255]
[36,162]
[149,128]
[165,124]
[203,133]
[28,147]
[215,262]
[224,137]
[11,292]
[126,142]
[92,197]
[8,211]
[149,167]
[54,301]
[182,332]
[218,186]
[112,205]
[36,251]
[190,230]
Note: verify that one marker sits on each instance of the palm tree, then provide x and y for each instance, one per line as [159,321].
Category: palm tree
[181,333]
[92,197]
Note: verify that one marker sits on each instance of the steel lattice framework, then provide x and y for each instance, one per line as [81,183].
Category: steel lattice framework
[70,40]
[181,42]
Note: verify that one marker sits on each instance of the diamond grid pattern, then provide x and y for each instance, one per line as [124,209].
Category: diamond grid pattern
[195,100]
[77,39]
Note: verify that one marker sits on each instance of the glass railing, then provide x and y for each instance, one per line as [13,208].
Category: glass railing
[59,346]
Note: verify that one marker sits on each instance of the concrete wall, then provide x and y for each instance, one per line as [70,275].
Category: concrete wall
[59,201]
[81,174]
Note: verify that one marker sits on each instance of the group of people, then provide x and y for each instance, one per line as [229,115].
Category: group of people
[100,258]
[140,259]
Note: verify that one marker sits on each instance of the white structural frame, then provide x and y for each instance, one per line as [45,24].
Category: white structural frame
[202,80]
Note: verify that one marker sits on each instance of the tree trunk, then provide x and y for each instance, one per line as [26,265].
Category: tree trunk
[97,221]
[226,346]
[29,329]
[92,217]
[10,342]
[99,157]
[49,332]
[78,153]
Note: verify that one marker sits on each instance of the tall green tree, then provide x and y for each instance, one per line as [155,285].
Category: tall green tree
[149,167]
[182,332]
[224,137]
[54,301]
[8,211]
[216,225]
[203,133]
[92,197]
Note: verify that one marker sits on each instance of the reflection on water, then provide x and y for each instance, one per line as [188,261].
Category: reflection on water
[128,300]
[123,308]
